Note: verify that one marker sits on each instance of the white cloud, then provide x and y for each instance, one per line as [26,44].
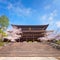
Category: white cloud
[44,17]
[50,19]
[49,16]
[58,24]
[23,11]
[54,13]
[19,9]
[56,2]
[10,6]
[47,7]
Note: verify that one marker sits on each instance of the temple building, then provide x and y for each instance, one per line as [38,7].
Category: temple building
[31,32]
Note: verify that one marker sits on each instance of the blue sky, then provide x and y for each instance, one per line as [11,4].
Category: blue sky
[35,12]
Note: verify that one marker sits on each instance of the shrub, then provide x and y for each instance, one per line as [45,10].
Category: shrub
[1,43]
[2,34]
[58,42]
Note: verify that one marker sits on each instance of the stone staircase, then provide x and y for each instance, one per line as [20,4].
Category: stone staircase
[30,49]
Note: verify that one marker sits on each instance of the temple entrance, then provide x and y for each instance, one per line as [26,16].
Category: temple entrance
[26,39]
[31,36]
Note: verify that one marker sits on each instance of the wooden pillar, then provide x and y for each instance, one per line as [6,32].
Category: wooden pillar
[33,37]
[19,39]
[26,39]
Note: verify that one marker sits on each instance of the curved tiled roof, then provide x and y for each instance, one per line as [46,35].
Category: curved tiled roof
[40,26]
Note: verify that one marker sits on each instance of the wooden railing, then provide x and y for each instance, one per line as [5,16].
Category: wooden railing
[33,31]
